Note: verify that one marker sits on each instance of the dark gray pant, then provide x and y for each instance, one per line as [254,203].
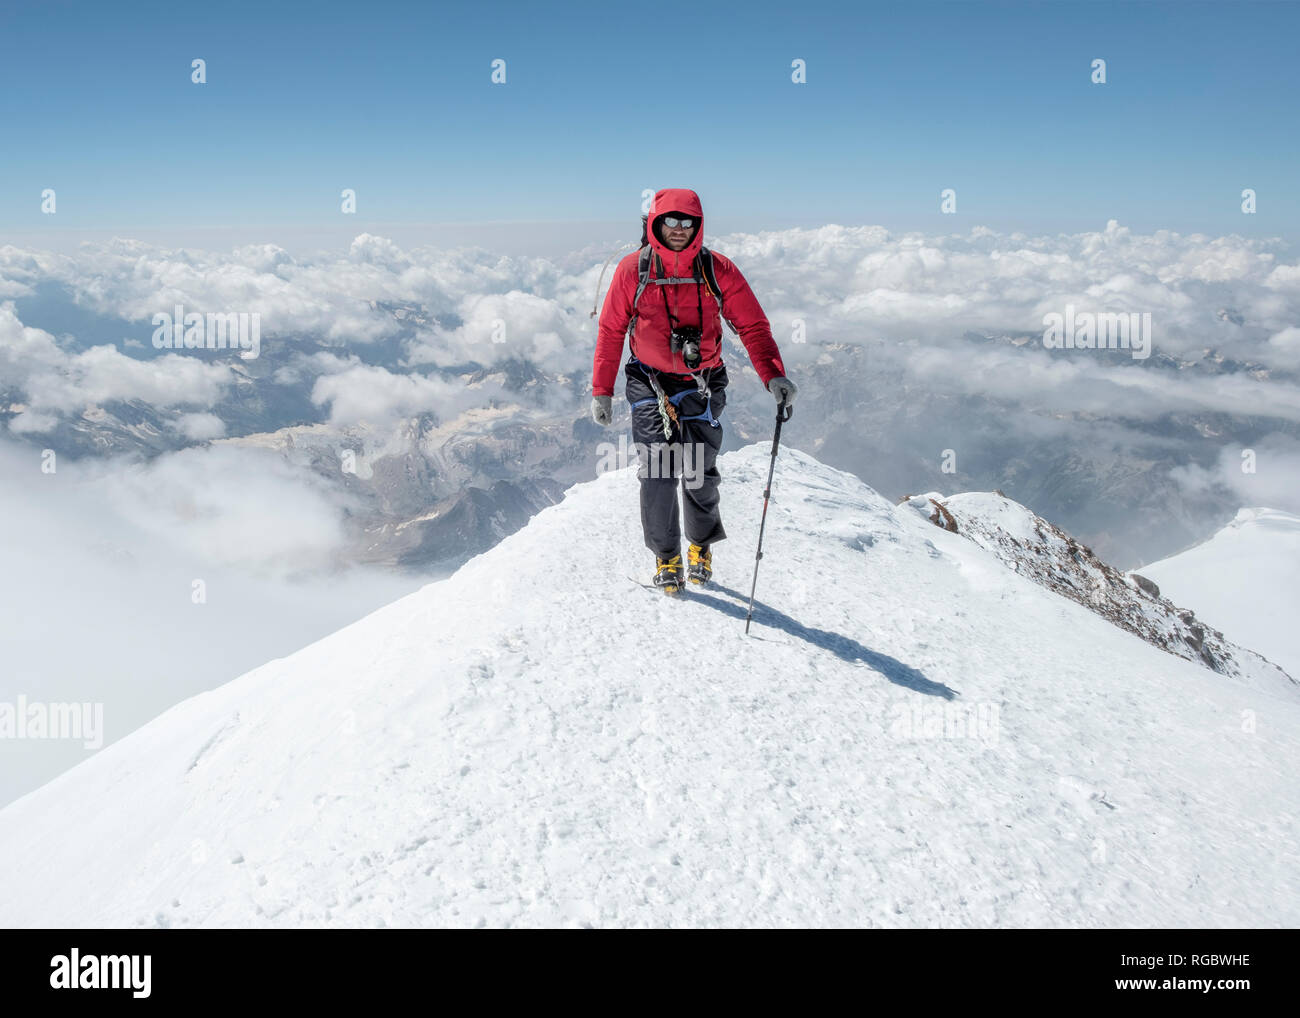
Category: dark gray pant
[687,459]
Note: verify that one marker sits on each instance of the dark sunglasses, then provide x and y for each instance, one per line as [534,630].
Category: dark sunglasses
[672,222]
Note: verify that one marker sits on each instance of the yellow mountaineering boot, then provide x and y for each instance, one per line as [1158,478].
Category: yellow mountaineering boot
[699,563]
[668,573]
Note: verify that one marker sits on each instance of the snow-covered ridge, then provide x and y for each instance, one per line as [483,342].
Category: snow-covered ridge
[911,734]
[1246,578]
[1043,552]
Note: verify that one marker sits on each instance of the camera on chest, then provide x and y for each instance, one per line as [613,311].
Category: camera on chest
[685,339]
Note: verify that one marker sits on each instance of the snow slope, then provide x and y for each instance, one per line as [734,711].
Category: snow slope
[1038,549]
[911,734]
[1246,581]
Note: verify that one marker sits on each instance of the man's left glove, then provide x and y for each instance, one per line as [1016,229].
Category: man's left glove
[602,411]
[783,389]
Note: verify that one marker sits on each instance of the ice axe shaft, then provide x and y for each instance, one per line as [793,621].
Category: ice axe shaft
[788,409]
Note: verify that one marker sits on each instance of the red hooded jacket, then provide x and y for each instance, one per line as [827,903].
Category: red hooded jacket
[650,341]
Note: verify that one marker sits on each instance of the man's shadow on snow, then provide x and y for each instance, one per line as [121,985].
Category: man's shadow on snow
[841,646]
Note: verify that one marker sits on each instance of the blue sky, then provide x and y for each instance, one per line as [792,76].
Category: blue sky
[603,100]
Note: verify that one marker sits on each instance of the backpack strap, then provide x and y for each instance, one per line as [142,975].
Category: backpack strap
[642,277]
[706,264]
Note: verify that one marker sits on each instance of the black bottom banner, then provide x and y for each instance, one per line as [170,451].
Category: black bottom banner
[330,968]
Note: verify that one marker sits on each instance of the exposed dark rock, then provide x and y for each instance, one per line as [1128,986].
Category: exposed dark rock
[1148,586]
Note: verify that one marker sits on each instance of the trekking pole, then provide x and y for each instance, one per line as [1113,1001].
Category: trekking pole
[776,440]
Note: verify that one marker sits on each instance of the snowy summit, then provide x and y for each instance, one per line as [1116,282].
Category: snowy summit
[913,733]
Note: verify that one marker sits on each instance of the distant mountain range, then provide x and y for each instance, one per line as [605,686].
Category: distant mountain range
[434,489]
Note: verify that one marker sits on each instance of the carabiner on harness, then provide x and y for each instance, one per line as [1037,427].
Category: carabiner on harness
[667,412]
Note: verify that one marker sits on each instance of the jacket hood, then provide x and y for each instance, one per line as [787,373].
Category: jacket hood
[676,199]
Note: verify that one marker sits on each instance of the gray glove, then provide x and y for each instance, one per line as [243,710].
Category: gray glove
[783,389]
[601,410]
